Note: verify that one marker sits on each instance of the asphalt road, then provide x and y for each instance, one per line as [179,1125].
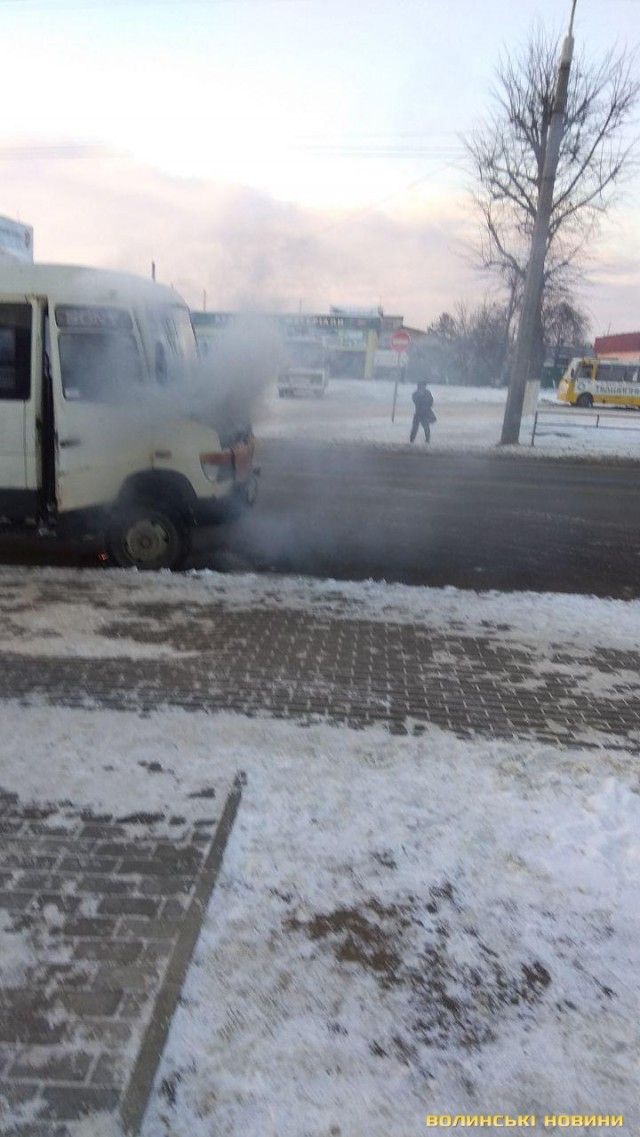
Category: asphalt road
[428,518]
[357,512]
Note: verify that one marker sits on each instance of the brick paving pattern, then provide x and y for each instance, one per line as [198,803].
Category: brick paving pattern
[98,904]
[291,664]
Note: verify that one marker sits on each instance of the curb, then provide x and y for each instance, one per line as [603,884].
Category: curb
[137,1093]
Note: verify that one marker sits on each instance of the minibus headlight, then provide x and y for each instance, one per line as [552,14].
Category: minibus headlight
[217,466]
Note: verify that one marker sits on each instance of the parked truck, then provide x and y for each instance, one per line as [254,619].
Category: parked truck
[304,367]
[95,432]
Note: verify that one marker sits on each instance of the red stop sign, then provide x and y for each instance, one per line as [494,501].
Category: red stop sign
[400,340]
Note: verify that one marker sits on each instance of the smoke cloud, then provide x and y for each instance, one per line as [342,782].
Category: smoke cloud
[227,386]
[246,249]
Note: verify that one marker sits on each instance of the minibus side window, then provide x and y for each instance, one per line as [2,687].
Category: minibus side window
[15,352]
[99,367]
[584,371]
[612,373]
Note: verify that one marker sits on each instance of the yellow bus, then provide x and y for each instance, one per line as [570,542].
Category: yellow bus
[608,381]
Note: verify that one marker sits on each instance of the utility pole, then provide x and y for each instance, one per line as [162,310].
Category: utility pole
[539,239]
[153,270]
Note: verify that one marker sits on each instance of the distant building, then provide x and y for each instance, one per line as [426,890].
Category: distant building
[624,346]
[16,240]
[354,337]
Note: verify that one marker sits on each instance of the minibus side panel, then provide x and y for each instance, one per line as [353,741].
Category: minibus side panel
[617,384]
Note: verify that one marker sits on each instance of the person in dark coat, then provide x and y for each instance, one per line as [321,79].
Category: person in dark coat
[423,416]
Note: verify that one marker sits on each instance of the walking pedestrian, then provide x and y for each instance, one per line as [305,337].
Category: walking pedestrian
[423,415]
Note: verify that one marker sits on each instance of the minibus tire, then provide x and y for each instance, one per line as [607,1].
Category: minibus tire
[584,400]
[141,527]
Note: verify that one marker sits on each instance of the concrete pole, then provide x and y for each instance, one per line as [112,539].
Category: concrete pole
[535,270]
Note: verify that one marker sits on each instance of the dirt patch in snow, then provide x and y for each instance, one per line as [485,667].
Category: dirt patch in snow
[361,936]
[454,1000]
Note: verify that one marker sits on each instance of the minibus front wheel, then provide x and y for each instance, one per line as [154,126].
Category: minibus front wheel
[148,537]
[584,400]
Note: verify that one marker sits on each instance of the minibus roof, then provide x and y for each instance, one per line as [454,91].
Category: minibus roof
[76,284]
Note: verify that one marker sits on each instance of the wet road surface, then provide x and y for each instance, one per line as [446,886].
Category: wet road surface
[473,521]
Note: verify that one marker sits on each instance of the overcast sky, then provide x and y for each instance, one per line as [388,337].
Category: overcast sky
[277,152]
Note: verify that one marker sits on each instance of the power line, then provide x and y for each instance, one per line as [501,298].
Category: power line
[392,146]
[86,151]
[53,152]
[56,6]
[364,212]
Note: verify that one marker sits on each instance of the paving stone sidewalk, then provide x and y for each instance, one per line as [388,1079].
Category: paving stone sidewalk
[105,913]
[112,894]
[292,663]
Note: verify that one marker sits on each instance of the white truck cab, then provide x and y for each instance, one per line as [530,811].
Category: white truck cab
[304,369]
[94,434]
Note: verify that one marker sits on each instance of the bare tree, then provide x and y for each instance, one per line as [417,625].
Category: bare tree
[473,342]
[564,323]
[507,156]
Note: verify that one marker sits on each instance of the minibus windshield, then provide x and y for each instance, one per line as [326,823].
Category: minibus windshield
[174,344]
[305,353]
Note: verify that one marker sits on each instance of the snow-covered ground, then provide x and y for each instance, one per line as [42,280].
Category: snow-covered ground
[360,410]
[468,418]
[408,927]
[404,925]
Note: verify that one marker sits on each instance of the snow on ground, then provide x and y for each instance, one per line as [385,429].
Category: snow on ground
[107,762]
[360,410]
[16,952]
[415,926]
[58,627]
[404,925]
[469,418]
[113,596]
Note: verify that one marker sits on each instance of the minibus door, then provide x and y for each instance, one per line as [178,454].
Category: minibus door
[101,436]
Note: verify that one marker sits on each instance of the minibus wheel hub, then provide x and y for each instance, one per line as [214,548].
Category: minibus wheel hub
[147,537]
[147,540]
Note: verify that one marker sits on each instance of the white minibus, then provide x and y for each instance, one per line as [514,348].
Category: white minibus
[95,430]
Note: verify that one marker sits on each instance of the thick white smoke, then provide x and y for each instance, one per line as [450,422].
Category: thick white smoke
[228,383]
